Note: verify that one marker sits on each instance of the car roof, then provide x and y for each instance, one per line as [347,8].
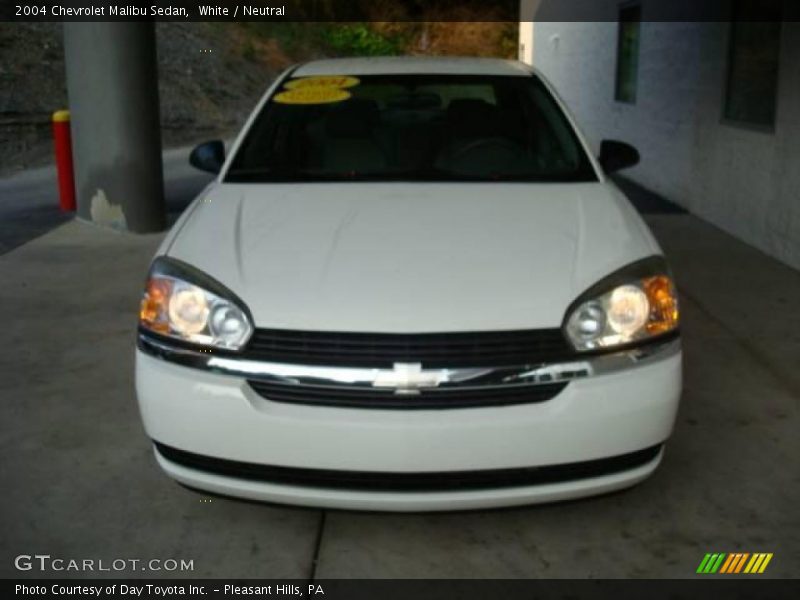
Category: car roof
[413,65]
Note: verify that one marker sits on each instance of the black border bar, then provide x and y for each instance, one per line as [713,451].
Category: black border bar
[730,588]
[394,10]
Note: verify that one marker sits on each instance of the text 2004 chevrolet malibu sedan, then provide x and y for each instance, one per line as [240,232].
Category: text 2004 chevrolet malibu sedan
[410,287]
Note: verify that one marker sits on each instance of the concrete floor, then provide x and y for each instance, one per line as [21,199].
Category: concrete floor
[29,199]
[80,480]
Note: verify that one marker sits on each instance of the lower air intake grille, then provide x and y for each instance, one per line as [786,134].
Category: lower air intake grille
[411,482]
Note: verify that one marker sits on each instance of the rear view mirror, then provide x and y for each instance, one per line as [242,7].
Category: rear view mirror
[616,155]
[208,156]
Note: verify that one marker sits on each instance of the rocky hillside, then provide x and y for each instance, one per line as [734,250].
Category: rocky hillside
[202,93]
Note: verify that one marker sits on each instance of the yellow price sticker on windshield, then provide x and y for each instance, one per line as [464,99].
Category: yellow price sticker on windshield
[312,95]
[336,81]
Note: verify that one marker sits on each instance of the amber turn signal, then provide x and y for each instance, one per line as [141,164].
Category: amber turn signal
[154,307]
[663,299]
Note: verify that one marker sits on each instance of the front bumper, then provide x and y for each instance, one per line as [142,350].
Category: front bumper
[221,417]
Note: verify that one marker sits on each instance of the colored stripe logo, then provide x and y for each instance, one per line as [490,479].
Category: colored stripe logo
[734,563]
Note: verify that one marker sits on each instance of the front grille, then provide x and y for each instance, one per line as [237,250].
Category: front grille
[434,398]
[433,350]
[411,482]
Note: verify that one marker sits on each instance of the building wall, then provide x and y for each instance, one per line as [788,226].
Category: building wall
[748,181]
[745,181]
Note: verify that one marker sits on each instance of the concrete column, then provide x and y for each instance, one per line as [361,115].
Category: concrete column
[527,15]
[112,85]
[526,42]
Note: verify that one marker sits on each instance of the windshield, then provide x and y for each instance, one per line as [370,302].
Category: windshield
[411,128]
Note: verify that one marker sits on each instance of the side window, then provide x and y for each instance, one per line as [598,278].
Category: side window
[752,86]
[630,18]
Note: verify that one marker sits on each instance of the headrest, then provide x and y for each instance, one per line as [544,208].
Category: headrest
[352,118]
[469,109]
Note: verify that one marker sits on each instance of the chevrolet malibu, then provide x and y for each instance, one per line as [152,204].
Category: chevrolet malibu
[411,286]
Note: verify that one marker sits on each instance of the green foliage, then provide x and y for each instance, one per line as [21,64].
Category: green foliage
[360,40]
[508,44]
[301,41]
[249,51]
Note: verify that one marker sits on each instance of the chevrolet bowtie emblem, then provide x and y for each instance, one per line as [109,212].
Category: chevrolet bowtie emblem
[408,378]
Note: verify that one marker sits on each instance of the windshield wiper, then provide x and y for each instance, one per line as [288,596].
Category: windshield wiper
[432,174]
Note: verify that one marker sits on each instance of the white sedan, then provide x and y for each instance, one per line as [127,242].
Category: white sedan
[411,286]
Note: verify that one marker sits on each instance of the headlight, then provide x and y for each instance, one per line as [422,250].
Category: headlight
[183,303]
[634,304]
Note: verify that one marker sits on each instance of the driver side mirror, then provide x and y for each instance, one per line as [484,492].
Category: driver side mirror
[616,155]
[208,156]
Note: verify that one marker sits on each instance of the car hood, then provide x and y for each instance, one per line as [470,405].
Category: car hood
[409,257]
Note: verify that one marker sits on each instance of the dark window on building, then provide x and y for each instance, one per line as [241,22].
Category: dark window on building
[752,85]
[630,18]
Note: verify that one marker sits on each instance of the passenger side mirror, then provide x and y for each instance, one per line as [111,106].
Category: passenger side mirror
[208,156]
[616,155]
